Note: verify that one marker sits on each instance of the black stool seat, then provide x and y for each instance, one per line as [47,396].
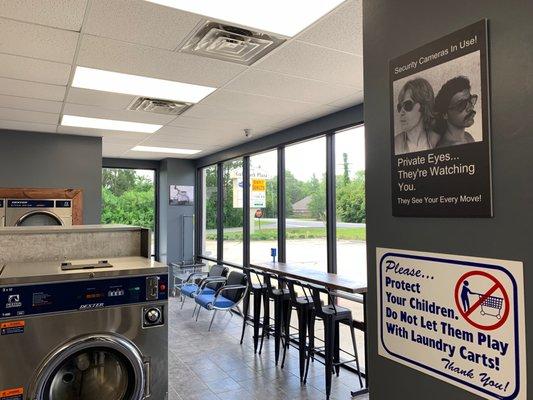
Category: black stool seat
[337,312]
[280,292]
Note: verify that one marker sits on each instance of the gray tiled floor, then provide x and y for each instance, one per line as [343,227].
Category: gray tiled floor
[214,366]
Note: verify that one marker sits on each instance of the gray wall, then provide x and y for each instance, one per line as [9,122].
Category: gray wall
[175,228]
[42,160]
[392,28]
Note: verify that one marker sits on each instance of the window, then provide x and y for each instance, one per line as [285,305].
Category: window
[209,211]
[350,203]
[128,197]
[233,211]
[263,205]
[305,197]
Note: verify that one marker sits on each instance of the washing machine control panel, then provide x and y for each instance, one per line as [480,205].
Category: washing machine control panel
[93,294]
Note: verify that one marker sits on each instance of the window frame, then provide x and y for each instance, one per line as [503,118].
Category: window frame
[331,228]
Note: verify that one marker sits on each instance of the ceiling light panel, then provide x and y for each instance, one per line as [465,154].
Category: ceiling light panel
[116,82]
[276,16]
[108,124]
[171,150]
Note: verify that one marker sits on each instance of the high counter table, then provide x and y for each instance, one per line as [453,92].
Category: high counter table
[329,280]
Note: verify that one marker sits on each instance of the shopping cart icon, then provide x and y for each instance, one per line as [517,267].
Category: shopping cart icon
[492,305]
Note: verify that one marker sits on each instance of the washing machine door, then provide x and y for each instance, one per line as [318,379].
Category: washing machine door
[39,218]
[103,367]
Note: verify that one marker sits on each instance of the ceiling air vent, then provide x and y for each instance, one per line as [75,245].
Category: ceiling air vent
[158,106]
[230,43]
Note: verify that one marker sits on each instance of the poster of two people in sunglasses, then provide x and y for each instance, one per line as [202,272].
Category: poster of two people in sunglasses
[440,133]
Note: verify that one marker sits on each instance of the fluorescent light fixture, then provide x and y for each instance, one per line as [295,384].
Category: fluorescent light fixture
[108,124]
[285,17]
[165,150]
[116,82]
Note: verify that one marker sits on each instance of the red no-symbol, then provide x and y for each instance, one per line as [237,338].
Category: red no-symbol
[496,286]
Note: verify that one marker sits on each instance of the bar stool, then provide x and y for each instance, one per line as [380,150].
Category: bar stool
[304,306]
[258,290]
[282,308]
[332,316]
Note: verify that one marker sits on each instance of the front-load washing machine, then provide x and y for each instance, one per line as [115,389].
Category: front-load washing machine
[31,212]
[84,330]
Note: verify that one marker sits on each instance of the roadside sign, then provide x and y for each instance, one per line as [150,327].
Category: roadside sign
[459,319]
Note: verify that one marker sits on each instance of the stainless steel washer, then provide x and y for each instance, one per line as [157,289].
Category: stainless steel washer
[84,330]
[31,212]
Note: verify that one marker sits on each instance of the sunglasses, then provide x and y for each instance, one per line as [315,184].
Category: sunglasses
[407,105]
[461,105]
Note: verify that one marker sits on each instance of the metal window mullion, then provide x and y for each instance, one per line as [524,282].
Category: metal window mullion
[246,210]
[282,223]
[220,212]
[331,214]
[199,217]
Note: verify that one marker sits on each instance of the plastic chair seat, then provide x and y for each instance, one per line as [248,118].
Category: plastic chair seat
[207,300]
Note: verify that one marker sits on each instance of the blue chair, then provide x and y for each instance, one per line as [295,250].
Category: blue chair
[226,298]
[208,283]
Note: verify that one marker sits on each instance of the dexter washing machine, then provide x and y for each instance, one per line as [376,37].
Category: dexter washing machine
[85,330]
[31,212]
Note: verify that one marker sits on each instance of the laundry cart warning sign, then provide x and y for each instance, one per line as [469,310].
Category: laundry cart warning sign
[459,319]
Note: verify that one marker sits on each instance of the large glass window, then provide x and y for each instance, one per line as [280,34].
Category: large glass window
[209,211]
[350,201]
[128,197]
[263,205]
[305,197]
[233,211]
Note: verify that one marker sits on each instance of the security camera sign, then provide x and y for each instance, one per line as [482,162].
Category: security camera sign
[459,319]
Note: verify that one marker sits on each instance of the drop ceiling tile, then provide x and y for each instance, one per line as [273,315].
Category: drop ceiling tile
[315,62]
[141,155]
[24,103]
[21,38]
[340,30]
[112,55]
[215,125]
[113,101]
[27,126]
[244,103]
[352,100]
[245,120]
[180,143]
[288,87]
[31,69]
[120,115]
[140,22]
[15,87]
[64,14]
[29,116]
[113,150]
[169,133]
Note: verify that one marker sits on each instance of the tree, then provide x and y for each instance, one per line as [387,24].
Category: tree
[346,166]
[127,198]
[317,205]
[351,205]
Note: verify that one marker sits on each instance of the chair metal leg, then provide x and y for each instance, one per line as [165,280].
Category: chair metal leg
[278,326]
[246,304]
[257,315]
[302,333]
[197,315]
[183,301]
[352,331]
[212,319]
[336,349]
[329,336]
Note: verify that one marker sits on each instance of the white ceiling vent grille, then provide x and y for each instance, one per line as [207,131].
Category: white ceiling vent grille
[158,106]
[230,43]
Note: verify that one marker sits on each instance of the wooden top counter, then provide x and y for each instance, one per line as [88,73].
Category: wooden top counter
[300,272]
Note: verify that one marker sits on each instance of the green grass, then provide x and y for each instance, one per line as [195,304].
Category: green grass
[296,233]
